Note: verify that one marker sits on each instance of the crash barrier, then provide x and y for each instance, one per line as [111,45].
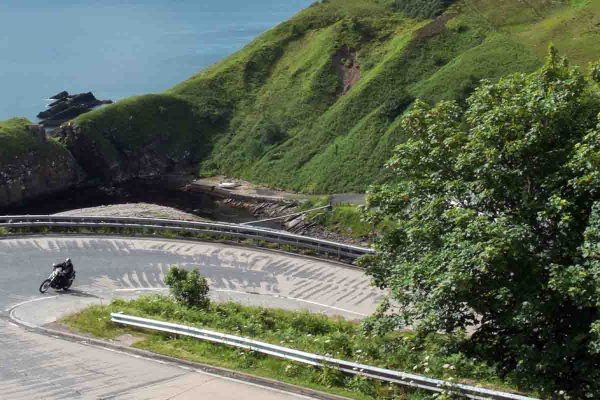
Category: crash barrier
[220,229]
[401,378]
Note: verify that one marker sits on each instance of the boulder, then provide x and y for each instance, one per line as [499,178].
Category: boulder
[59,106]
[62,95]
[84,98]
[67,107]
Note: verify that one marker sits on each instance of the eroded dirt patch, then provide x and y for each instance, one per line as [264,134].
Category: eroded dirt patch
[127,339]
[434,28]
[347,68]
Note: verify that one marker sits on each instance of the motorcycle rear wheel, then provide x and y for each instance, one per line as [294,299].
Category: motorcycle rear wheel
[45,285]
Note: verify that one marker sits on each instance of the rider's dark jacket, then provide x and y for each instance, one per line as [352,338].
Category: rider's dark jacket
[66,267]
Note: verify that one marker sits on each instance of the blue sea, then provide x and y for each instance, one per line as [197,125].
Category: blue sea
[119,48]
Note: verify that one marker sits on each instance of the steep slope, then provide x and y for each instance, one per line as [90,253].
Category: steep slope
[314,103]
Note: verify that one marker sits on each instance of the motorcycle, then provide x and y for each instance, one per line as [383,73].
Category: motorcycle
[57,281]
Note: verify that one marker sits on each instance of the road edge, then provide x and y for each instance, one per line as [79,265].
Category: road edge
[188,365]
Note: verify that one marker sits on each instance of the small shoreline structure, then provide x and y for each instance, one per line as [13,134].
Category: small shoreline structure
[65,106]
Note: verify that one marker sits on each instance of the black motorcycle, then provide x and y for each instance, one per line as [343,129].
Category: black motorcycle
[57,281]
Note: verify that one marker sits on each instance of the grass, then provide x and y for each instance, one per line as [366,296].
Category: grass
[574,32]
[274,113]
[347,220]
[571,25]
[497,56]
[31,165]
[435,355]
[344,219]
[422,8]
[16,143]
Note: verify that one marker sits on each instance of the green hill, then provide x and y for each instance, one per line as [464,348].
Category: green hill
[314,104]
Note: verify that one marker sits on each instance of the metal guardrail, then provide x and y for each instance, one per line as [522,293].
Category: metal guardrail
[236,231]
[402,378]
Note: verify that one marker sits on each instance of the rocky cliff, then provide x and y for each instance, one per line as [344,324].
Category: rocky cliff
[141,138]
[32,165]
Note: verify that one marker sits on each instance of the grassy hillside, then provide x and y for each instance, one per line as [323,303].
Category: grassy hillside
[314,104]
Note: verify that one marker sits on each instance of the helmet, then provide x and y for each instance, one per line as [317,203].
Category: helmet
[68,260]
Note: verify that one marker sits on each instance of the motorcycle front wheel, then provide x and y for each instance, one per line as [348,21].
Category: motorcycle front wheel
[44,286]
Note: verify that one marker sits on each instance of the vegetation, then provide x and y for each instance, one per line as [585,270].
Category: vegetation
[433,355]
[497,214]
[32,165]
[17,142]
[188,287]
[346,220]
[279,112]
[422,8]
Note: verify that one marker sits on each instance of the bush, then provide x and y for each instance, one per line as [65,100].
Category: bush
[188,287]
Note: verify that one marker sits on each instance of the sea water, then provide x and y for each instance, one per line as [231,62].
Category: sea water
[119,48]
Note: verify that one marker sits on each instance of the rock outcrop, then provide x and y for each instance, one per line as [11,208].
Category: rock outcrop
[31,177]
[141,137]
[36,167]
[109,162]
[66,107]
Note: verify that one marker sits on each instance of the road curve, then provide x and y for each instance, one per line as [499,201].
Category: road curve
[35,366]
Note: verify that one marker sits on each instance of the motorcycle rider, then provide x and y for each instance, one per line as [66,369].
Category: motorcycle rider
[62,277]
[66,268]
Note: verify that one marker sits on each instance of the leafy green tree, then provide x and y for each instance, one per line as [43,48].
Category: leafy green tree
[188,287]
[497,226]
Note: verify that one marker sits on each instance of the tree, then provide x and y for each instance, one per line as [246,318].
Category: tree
[188,287]
[496,212]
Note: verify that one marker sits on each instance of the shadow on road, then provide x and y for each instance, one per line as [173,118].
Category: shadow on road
[76,293]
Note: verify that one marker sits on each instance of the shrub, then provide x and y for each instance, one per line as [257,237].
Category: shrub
[271,133]
[329,376]
[188,287]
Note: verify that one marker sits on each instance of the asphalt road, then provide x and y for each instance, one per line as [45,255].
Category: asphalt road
[33,366]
